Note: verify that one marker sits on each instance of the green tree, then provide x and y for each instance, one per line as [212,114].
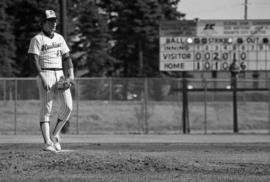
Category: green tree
[26,23]
[7,49]
[90,40]
[134,25]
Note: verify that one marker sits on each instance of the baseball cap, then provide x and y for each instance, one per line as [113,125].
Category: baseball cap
[49,14]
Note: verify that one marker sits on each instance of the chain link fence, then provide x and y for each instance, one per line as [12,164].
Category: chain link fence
[141,106]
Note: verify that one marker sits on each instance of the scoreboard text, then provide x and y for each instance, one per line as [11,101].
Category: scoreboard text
[212,45]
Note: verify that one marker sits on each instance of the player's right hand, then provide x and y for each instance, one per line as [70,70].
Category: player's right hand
[46,86]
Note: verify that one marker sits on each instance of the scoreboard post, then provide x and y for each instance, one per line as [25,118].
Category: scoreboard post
[234,69]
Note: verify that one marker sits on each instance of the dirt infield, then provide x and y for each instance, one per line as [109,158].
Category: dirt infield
[107,158]
[194,138]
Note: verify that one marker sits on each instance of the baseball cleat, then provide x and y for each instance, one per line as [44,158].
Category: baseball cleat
[57,146]
[56,141]
[49,147]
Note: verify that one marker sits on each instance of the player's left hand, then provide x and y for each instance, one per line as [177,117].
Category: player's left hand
[70,81]
[64,84]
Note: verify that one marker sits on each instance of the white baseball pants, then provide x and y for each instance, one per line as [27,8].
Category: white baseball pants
[47,97]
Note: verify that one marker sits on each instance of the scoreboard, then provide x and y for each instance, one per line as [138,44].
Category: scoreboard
[212,45]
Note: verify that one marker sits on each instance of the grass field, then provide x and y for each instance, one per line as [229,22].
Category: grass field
[92,117]
[141,162]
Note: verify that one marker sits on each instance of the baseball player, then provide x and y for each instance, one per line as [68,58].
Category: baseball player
[50,54]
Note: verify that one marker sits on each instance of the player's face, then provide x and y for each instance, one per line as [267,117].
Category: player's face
[50,25]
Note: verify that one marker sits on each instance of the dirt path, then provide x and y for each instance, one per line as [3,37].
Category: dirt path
[207,162]
[194,138]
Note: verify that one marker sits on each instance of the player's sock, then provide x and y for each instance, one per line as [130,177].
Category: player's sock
[45,130]
[59,125]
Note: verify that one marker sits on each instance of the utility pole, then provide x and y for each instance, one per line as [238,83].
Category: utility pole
[63,20]
[246,9]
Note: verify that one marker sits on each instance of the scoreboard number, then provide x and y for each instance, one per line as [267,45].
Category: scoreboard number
[198,56]
[225,66]
[207,66]
[225,56]
[243,56]
[215,56]
[207,56]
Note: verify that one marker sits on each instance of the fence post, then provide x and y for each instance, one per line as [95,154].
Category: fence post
[185,112]
[4,90]
[269,104]
[77,101]
[205,105]
[145,105]
[15,106]
[110,89]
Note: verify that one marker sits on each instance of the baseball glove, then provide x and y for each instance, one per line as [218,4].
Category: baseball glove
[63,84]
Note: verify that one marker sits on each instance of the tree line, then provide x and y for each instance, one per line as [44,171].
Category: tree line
[107,38]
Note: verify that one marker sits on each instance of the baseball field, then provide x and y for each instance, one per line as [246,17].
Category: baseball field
[108,158]
[113,148]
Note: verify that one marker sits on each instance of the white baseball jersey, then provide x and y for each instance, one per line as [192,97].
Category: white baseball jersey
[49,50]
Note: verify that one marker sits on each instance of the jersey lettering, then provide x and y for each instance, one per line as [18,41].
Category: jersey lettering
[46,46]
